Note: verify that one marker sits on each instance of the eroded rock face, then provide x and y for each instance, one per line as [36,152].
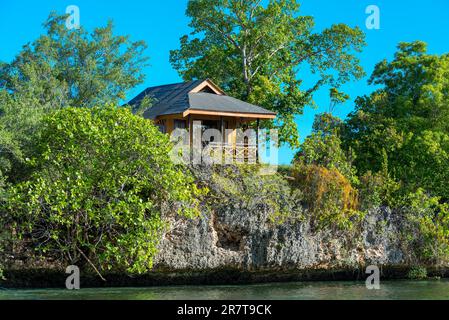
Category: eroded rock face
[240,236]
[237,233]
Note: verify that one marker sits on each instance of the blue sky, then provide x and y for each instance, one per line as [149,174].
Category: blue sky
[162,23]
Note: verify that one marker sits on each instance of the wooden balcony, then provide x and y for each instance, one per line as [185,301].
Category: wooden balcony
[231,153]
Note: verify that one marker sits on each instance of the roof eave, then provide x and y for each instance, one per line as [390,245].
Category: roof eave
[229,114]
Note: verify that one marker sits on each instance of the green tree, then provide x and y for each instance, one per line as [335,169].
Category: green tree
[254,52]
[326,151]
[101,187]
[61,68]
[323,170]
[426,228]
[20,114]
[326,124]
[74,67]
[337,97]
[407,119]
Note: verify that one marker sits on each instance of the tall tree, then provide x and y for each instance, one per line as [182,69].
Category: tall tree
[407,119]
[61,68]
[255,52]
[74,67]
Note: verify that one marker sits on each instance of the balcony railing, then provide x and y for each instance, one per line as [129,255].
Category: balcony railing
[231,153]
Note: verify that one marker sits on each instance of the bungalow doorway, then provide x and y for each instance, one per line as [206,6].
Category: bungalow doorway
[213,141]
[207,125]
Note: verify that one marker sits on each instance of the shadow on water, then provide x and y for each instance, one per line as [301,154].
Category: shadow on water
[437,289]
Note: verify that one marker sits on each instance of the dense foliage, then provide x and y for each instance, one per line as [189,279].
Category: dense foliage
[393,149]
[102,179]
[253,51]
[406,120]
[329,197]
[324,148]
[75,68]
[245,184]
[427,234]
[61,68]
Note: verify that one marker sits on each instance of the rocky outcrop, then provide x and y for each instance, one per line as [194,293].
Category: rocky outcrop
[240,235]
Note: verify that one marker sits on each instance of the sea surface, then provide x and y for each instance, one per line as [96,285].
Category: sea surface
[390,290]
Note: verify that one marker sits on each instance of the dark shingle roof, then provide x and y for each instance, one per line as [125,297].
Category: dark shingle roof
[167,99]
[221,103]
[176,98]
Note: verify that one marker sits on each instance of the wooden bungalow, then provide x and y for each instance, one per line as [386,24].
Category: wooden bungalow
[184,105]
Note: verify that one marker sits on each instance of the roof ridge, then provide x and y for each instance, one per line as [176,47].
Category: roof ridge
[175,84]
[186,89]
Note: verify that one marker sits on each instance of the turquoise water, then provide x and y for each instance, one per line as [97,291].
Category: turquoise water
[435,289]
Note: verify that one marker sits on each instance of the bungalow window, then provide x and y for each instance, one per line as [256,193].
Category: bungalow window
[180,124]
[161,126]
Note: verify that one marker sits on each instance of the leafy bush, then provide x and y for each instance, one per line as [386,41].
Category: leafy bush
[101,180]
[325,151]
[329,196]
[244,184]
[428,228]
[324,148]
[417,273]
[378,189]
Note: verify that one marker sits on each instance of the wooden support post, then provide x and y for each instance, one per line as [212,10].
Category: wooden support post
[222,131]
[223,141]
[190,126]
[257,141]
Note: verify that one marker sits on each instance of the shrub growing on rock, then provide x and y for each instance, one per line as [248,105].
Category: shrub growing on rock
[379,189]
[328,195]
[101,180]
[243,185]
[427,228]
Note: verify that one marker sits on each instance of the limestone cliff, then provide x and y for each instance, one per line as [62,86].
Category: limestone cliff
[238,234]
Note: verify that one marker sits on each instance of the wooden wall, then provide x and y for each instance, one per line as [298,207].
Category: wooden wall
[233,123]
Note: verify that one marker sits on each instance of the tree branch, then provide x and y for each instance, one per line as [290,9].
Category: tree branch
[251,15]
[91,264]
[228,36]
